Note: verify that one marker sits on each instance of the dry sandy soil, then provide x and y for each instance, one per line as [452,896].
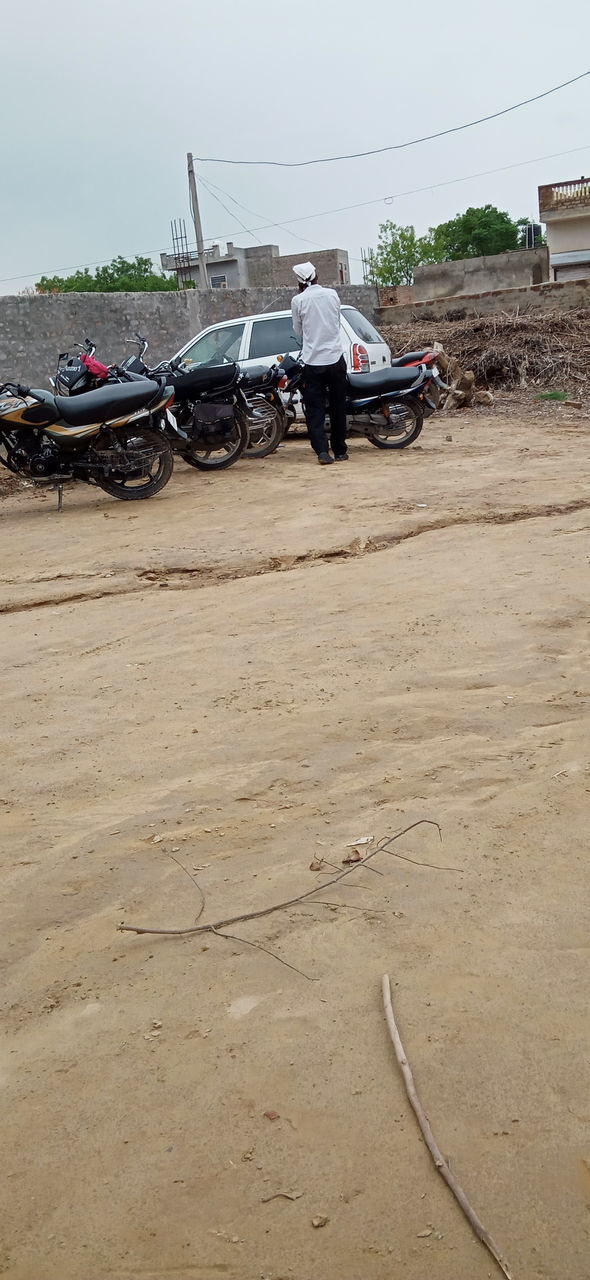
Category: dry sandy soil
[242,676]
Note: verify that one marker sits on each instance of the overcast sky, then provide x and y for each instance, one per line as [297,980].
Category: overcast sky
[100,103]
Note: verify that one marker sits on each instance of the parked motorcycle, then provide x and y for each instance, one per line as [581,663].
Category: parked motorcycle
[209,427]
[387,407]
[257,398]
[428,358]
[105,438]
[262,402]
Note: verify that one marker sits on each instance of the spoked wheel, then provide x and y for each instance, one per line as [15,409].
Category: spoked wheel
[139,464]
[266,428]
[218,457]
[397,427]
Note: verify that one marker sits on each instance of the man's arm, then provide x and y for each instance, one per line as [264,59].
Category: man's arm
[296,317]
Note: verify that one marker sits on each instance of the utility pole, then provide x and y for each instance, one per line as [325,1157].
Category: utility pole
[194,207]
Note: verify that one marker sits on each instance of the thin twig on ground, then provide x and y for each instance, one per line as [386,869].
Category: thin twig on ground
[440,1163]
[434,866]
[259,947]
[195,882]
[278,906]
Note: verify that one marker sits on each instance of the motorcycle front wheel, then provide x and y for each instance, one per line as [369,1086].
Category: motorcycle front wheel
[148,464]
[223,455]
[398,430]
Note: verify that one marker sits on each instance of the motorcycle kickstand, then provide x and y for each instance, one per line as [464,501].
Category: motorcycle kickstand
[60,496]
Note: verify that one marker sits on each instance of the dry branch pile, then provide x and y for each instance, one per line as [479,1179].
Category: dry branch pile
[507,350]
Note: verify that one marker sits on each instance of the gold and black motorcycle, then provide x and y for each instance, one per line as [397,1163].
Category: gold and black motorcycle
[106,437]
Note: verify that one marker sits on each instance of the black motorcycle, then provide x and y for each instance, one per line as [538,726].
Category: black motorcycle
[209,425]
[258,403]
[386,407]
[106,437]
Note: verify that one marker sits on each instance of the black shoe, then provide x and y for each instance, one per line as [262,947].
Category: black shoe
[341,457]
[325,459]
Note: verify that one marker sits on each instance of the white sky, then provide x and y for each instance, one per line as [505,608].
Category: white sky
[100,103]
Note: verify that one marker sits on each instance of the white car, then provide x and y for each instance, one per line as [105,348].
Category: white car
[260,339]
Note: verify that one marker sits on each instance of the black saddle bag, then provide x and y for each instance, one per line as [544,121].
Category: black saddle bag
[212,425]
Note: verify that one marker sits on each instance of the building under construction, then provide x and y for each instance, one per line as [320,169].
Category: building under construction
[258,267]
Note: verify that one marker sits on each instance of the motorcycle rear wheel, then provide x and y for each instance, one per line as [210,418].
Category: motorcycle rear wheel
[265,436]
[410,426]
[435,398]
[225,454]
[134,487]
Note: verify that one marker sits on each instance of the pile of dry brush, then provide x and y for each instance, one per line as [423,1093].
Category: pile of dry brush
[508,350]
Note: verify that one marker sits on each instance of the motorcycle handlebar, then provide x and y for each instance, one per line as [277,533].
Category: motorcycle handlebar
[18,390]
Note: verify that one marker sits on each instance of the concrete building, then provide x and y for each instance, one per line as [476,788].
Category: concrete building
[514,269]
[261,266]
[564,207]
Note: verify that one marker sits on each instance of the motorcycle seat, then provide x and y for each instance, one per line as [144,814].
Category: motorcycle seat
[203,378]
[107,403]
[409,357]
[375,384]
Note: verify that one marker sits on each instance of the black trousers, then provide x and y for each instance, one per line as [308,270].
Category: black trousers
[325,383]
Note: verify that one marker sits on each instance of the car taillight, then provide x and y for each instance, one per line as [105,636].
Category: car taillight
[360,359]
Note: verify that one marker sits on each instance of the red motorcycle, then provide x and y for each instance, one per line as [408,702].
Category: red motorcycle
[413,359]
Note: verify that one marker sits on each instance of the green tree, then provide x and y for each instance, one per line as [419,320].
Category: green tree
[399,251]
[119,276]
[477,233]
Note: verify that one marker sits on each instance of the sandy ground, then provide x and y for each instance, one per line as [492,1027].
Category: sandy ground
[242,676]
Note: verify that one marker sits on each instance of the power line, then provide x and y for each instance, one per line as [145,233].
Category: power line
[209,187]
[266,226]
[306,217]
[398,146]
[432,186]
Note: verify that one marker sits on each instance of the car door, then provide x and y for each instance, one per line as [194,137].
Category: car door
[272,336]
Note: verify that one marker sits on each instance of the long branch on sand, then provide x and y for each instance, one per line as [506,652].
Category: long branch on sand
[291,902]
[428,1135]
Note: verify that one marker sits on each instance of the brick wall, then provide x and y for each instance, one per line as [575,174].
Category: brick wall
[33,330]
[326,261]
[573,295]
[393,294]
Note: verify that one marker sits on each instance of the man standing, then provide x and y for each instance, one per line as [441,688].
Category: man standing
[316,324]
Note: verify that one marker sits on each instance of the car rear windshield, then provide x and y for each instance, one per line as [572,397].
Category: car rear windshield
[362,327]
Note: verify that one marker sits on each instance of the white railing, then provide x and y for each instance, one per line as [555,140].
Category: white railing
[564,195]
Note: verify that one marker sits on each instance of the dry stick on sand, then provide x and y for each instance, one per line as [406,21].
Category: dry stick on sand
[282,906]
[441,1164]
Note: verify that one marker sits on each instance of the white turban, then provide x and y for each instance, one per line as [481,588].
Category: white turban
[305,272]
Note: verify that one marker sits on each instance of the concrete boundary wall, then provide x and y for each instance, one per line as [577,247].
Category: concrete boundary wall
[34,329]
[574,295]
[516,269]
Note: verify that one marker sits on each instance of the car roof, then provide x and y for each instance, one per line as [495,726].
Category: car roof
[263,315]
